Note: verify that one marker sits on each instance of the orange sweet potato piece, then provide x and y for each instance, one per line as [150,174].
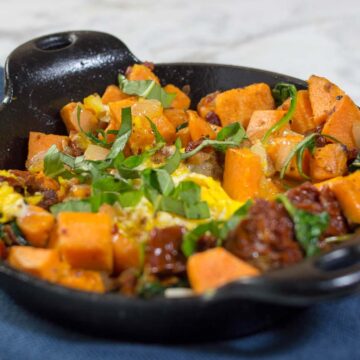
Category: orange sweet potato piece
[239,104]
[216,267]
[278,150]
[207,104]
[40,142]
[141,72]
[112,94]
[181,101]
[347,191]
[342,120]
[322,94]
[302,120]
[36,224]
[166,128]
[84,280]
[115,115]
[199,128]
[84,240]
[176,116]
[126,254]
[328,162]
[263,120]
[184,135]
[43,263]
[88,120]
[243,174]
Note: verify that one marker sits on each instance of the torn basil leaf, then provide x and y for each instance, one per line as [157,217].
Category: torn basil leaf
[123,134]
[281,92]
[219,229]
[71,205]
[147,89]
[308,227]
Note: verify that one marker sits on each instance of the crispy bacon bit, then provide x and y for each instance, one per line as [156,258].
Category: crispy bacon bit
[163,254]
[186,89]
[266,237]
[307,197]
[127,282]
[212,118]
[150,65]
[206,242]
[193,145]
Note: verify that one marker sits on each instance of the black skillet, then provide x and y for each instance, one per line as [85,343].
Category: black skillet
[46,73]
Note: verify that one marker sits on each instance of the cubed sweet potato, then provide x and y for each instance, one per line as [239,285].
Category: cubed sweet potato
[199,128]
[84,240]
[278,150]
[341,122]
[84,280]
[43,263]
[181,101]
[36,224]
[184,135]
[263,120]
[88,120]
[239,104]
[207,104]
[328,162]
[322,94]
[141,72]
[302,121]
[347,191]
[112,94]
[39,144]
[216,267]
[176,116]
[126,254]
[243,174]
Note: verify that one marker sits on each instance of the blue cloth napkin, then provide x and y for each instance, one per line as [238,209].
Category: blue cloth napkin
[328,331]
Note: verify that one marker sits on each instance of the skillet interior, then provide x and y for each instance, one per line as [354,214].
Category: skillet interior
[43,75]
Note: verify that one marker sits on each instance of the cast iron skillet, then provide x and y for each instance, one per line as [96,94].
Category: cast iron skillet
[46,73]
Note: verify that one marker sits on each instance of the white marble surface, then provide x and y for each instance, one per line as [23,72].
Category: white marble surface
[297,37]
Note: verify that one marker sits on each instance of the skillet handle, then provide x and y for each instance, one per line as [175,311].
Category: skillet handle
[73,62]
[330,275]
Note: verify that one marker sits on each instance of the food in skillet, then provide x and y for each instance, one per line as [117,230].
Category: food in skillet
[144,196]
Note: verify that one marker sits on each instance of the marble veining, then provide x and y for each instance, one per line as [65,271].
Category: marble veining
[296,37]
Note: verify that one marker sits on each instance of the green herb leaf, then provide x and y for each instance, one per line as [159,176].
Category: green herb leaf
[148,89]
[281,92]
[130,198]
[218,229]
[232,132]
[158,137]
[54,162]
[229,136]
[71,205]
[123,135]
[308,226]
[182,126]
[355,165]
[173,162]
[308,143]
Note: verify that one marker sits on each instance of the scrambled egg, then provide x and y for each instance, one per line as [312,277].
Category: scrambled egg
[12,203]
[136,222]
